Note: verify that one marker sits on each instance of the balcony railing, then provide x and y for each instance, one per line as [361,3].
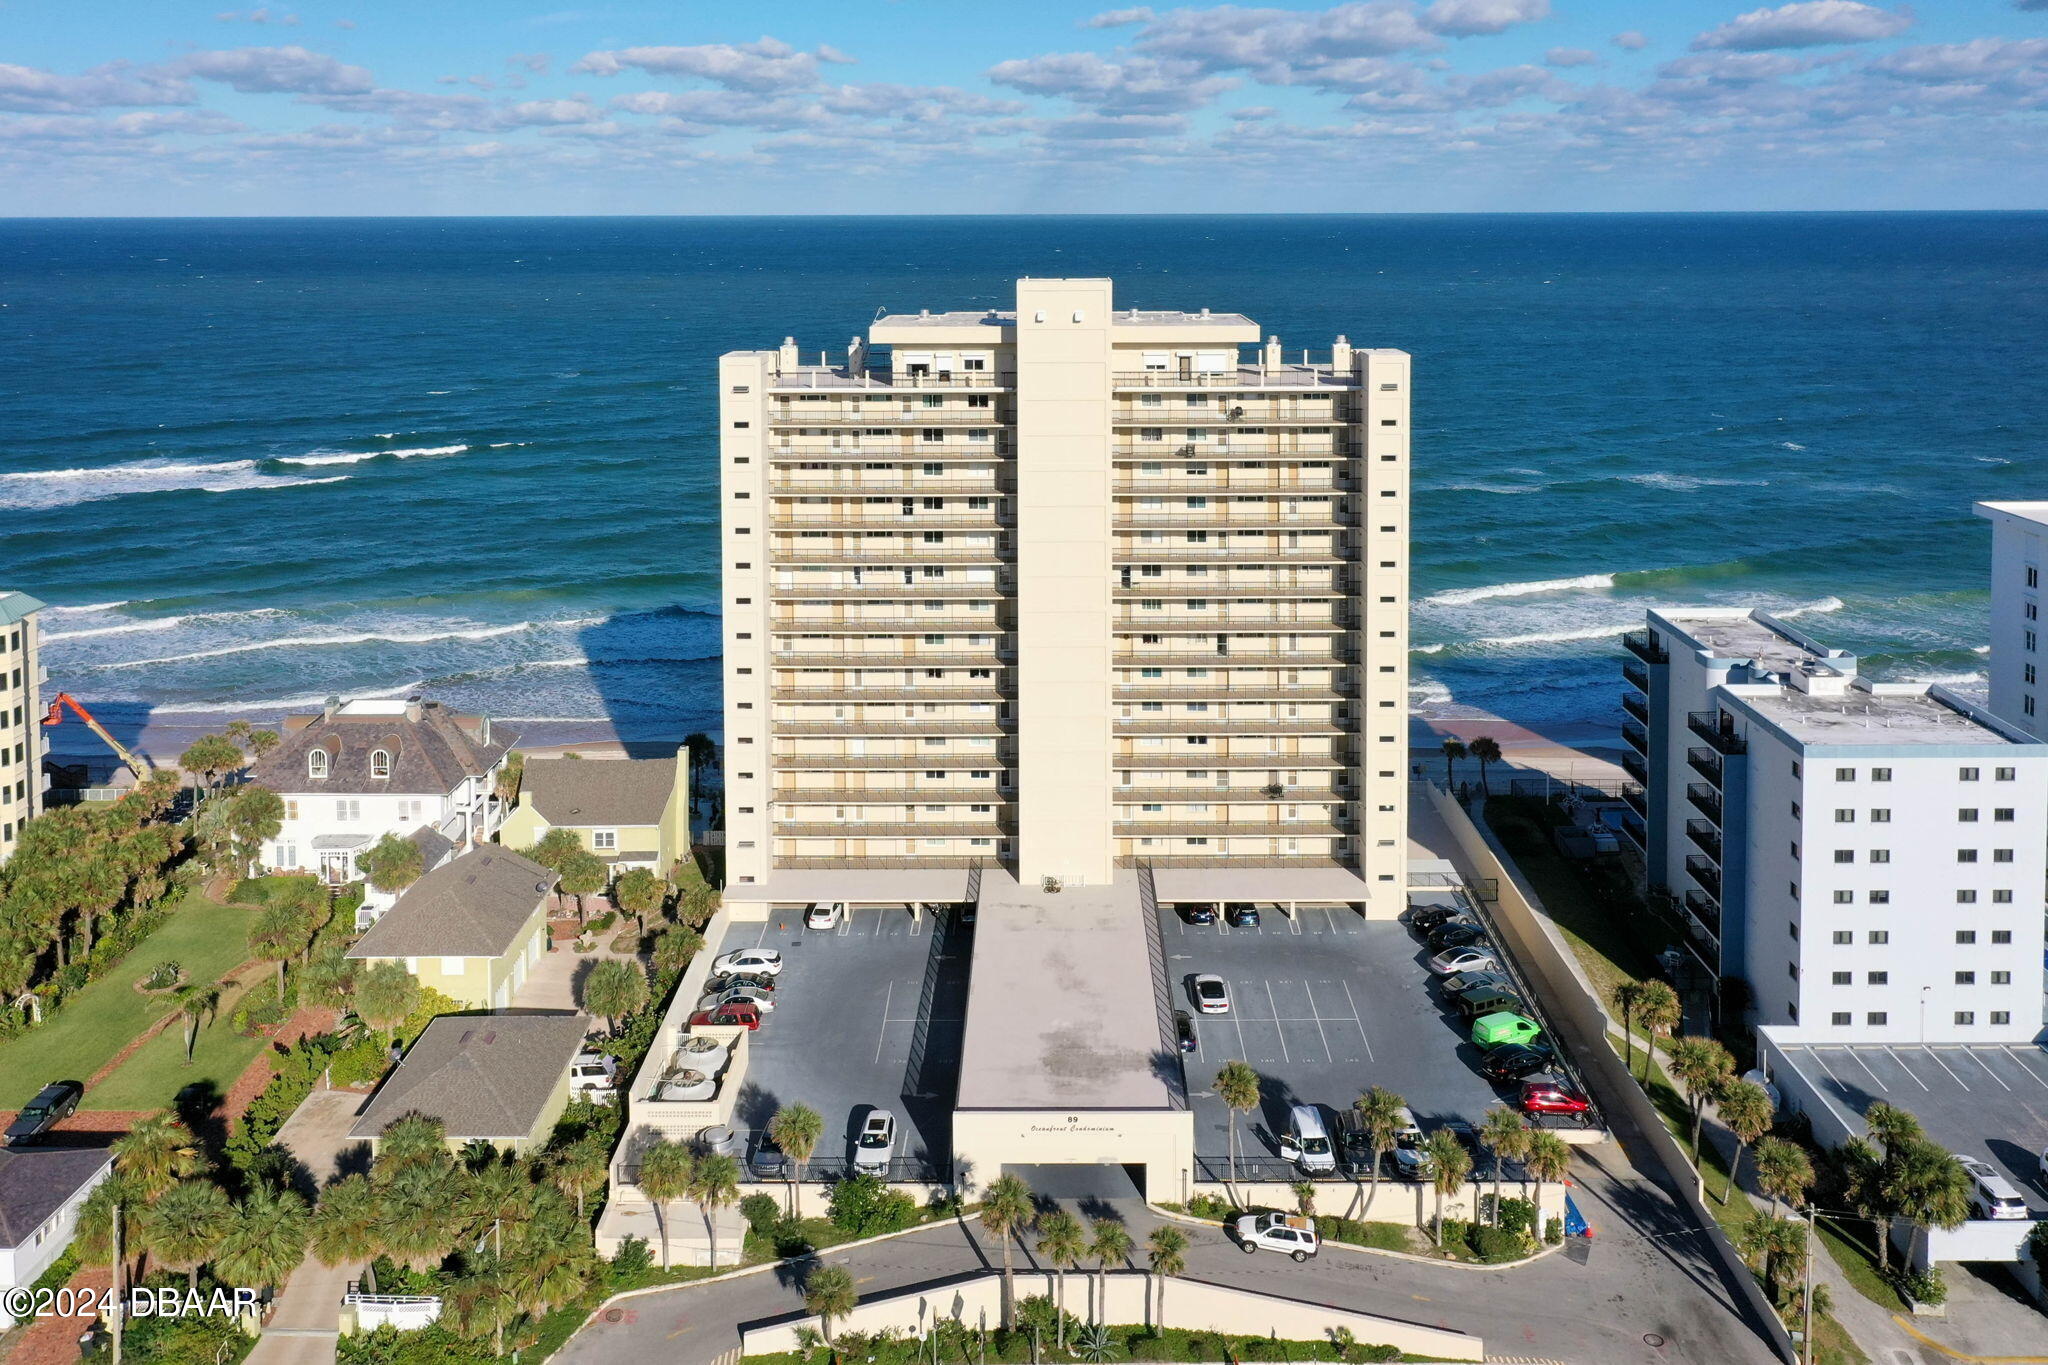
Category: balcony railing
[970,759]
[1221,858]
[839,379]
[1236,415]
[1722,735]
[867,690]
[1237,658]
[1634,765]
[1239,553]
[1706,911]
[877,415]
[1637,737]
[1221,725]
[1706,763]
[1706,836]
[893,796]
[1705,800]
[1638,800]
[1705,873]
[1636,706]
[991,828]
[948,622]
[854,862]
[1172,827]
[1233,589]
[1231,796]
[1240,447]
[1238,377]
[1636,832]
[1645,647]
[895,725]
[1226,690]
[879,588]
[1130,762]
[1638,676]
[928,485]
[908,653]
[885,450]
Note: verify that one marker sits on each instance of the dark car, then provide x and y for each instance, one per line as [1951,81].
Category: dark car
[53,1103]
[1241,915]
[770,1162]
[1458,935]
[1474,1004]
[1354,1151]
[1513,1061]
[1184,1029]
[1198,914]
[1465,983]
[726,981]
[1424,918]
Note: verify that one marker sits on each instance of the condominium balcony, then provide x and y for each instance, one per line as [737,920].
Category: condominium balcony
[908,762]
[1226,689]
[1223,858]
[1641,644]
[1240,447]
[877,415]
[988,690]
[917,589]
[895,725]
[1634,704]
[885,796]
[1214,620]
[1706,763]
[1636,832]
[1238,658]
[1636,736]
[926,485]
[1638,801]
[881,450]
[1720,734]
[1233,415]
[1705,911]
[892,553]
[1233,516]
[1705,873]
[1637,675]
[1239,553]
[1231,481]
[1199,725]
[1136,762]
[1233,796]
[1292,829]
[864,829]
[946,623]
[1705,800]
[1634,765]
[906,653]
[1239,377]
[856,862]
[853,517]
[1233,588]
[838,378]
[1705,836]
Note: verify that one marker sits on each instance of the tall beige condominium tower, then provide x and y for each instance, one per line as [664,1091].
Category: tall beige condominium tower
[1067,589]
[21,729]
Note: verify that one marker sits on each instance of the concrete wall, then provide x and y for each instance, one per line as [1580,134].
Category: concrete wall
[1161,1140]
[1133,1297]
[2018,534]
[1398,1201]
[21,729]
[744,538]
[1381,777]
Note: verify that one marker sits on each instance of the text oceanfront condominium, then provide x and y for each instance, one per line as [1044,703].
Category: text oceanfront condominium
[1067,588]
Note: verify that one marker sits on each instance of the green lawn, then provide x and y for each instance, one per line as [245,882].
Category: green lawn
[207,939]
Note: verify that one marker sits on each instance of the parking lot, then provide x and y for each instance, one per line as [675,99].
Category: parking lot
[866,1015]
[1324,1007]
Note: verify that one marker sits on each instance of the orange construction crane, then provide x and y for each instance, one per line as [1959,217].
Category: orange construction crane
[137,764]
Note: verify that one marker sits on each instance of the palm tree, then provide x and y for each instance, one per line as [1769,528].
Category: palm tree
[715,1185]
[1928,1185]
[1166,1250]
[676,946]
[1063,1244]
[1486,751]
[1746,1110]
[615,987]
[1379,1114]
[828,1292]
[666,1171]
[1776,1248]
[185,1225]
[1625,995]
[411,1141]
[1449,1164]
[156,1154]
[1506,1135]
[583,874]
[796,1129]
[209,756]
[1454,750]
[579,1168]
[1549,1159]
[392,864]
[1701,1067]
[1006,1212]
[267,1240]
[1237,1084]
[386,995]
[1895,1131]
[1783,1171]
[639,894]
[195,1003]
[1658,1011]
[1109,1241]
[346,1221]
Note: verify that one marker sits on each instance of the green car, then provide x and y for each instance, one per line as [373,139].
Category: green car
[1498,1030]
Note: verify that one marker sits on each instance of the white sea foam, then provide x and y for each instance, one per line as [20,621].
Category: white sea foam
[52,488]
[316,641]
[1945,679]
[500,445]
[1791,445]
[287,703]
[1690,483]
[130,628]
[84,608]
[1456,597]
[1989,459]
[1553,637]
[281,483]
[1428,649]
[1980,649]
[1425,691]
[1825,604]
[358,456]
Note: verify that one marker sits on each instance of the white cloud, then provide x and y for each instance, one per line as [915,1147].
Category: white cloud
[1136,85]
[1978,61]
[1275,43]
[769,64]
[1809,23]
[32,90]
[1468,18]
[1570,56]
[277,70]
[1631,41]
[1118,18]
[552,113]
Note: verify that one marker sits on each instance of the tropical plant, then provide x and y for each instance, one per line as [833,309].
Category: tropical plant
[209,756]
[344,1227]
[666,1171]
[278,935]
[579,1167]
[184,1226]
[614,988]
[392,864]
[255,816]
[829,1293]
[1506,1135]
[1237,1084]
[583,874]
[156,1154]
[266,1240]
[1486,751]
[1548,1161]
[1658,1011]
[1108,1241]
[1626,995]
[1305,1198]
[1379,1115]
[1063,1244]
[1005,1212]
[1449,1164]
[1454,749]
[386,993]
[194,1003]
[1745,1111]
[639,893]
[1095,1343]
[796,1129]
[556,847]
[1776,1248]
[715,1185]
[1166,1252]
[1701,1066]
[1928,1185]
[676,945]
[1783,1171]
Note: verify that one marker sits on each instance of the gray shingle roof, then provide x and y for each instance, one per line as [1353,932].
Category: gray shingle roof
[474,906]
[35,1182]
[432,749]
[482,1075]
[595,791]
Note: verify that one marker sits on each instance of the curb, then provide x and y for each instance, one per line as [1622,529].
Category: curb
[1407,1256]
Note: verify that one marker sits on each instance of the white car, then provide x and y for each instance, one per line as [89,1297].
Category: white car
[1210,994]
[875,1147]
[752,995]
[1994,1195]
[766,961]
[1283,1232]
[592,1077]
[825,915]
[1452,960]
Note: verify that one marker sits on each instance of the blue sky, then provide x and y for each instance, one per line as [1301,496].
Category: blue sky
[923,106]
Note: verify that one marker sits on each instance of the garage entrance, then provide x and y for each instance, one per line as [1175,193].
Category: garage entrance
[1102,1183]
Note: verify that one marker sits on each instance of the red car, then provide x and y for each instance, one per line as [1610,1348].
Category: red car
[739,1012]
[1548,1097]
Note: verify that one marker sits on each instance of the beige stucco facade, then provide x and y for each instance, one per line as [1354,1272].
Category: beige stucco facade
[21,716]
[1066,588]
[483,983]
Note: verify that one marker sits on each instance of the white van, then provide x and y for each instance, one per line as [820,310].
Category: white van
[1307,1142]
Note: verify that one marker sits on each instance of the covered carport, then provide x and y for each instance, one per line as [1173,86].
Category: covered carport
[1289,887]
[915,889]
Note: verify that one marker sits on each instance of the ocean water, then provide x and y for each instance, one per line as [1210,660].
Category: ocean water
[252,463]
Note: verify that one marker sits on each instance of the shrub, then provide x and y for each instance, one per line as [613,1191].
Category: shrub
[1925,1286]
[597,924]
[862,1206]
[632,1258]
[761,1212]
[262,1007]
[293,1076]
[1260,1348]
[249,891]
[1518,1215]
[360,1062]
[790,1239]
[1208,1206]
[1496,1244]
[1553,1231]
[163,976]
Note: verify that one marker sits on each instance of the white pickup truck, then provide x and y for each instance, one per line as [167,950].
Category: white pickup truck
[1283,1232]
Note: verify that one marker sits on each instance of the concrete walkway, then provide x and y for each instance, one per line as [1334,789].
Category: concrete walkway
[306,1320]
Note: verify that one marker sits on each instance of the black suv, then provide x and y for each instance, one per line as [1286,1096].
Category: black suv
[52,1104]
[1513,1061]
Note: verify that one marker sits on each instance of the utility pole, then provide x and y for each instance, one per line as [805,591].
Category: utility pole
[498,1297]
[114,1320]
[1806,1339]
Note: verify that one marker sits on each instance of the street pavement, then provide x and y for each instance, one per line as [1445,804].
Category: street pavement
[307,1318]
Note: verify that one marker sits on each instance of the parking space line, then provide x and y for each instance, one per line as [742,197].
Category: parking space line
[2017,1056]
[1873,1075]
[1987,1067]
[1358,1021]
[1274,1006]
[1317,1010]
[1945,1067]
[764,929]
[1294,923]
[882,1034]
[845,925]
[1238,1024]
[1903,1067]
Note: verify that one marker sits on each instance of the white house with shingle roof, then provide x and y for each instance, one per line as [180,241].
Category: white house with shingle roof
[496,1078]
[41,1191]
[361,769]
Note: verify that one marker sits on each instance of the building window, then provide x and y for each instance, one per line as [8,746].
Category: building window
[2001,855]
[1967,774]
[1845,898]
[1879,936]
[348,811]
[1966,935]
[1843,816]
[1844,936]
[316,764]
[2004,774]
[380,763]
[1966,1017]
[2001,1017]
[1966,855]
[1881,817]
[1966,897]
[1880,898]
[1878,979]
[1845,774]
[1842,978]
[2001,897]
[2002,815]
[1840,1018]
[1880,774]
[1968,815]
[2001,936]
[604,840]
[2001,978]
[1876,1019]
[1843,855]
[1966,978]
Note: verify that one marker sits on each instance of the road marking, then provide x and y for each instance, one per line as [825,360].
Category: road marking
[1309,991]
[1873,1075]
[2018,1057]
[1925,1340]
[764,932]
[1274,1006]
[888,999]
[1238,1024]
[1945,1067]
[1903,1067]
[1987,1067]
[1293,923]
[1358,1021]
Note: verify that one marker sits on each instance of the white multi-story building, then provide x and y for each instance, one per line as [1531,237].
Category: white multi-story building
[1867,857]
[21,717]
[1065,589]
[2019,549]
[361,769]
